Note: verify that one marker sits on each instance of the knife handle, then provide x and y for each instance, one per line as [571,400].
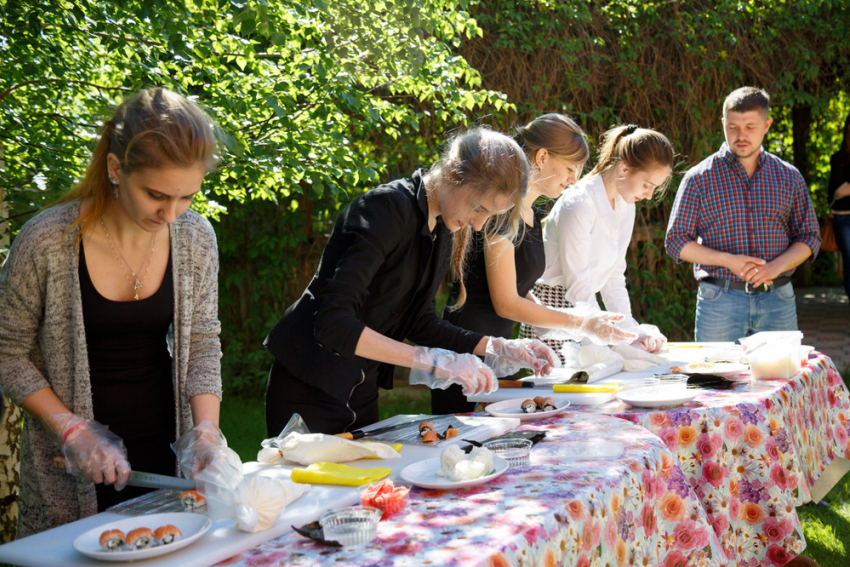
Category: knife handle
[515,384]
[351,435]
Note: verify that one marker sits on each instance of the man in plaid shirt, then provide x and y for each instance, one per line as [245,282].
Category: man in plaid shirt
[745,219]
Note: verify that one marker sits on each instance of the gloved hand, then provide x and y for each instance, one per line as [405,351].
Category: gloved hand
[91,450]
[439,368]
[649,338]
[602,330]
[507,357]
[202,447]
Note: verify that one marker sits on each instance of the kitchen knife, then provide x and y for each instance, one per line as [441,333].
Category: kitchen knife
[359,434]
[144,479]
[151,480]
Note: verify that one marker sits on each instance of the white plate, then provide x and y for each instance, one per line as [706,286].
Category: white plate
[639,397]
[424,475]
[513,408]
[193,526]
[725,369]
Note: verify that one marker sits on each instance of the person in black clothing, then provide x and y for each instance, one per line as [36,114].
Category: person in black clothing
[503,271]
[375,287]
[838,197]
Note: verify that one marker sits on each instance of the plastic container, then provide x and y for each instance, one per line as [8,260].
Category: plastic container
[514,451]
[732,354]
[351,526]
[672,383]
[773,355]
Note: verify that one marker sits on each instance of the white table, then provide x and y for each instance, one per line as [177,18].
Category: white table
[55,547]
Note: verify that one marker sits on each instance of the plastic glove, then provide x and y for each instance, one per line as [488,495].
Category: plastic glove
[507,357]
[649,338]
[439,368]
[91,450]
[201,447]
[601,330]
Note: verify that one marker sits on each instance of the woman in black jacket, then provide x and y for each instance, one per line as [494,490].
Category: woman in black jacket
[375,287]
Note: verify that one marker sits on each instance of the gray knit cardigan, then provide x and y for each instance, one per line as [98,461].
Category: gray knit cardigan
[43,344]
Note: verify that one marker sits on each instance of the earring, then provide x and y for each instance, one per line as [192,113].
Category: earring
[114,186]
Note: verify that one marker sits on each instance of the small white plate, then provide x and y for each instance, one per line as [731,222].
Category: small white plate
[424,475]
[639,397]
[513,408]
[193,526]
[725,369]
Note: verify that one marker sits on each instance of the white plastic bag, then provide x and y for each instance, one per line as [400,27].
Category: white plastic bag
[261,500]
[318,447]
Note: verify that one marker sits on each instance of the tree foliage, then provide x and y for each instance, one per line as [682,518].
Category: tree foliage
[306,96]
[317,101]
[669,66]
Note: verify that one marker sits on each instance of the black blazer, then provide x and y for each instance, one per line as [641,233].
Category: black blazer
[375,271]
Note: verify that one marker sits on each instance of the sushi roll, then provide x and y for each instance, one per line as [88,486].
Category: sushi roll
[430,436]
[192,500]
[140,538]
[549,404]
[112,540]
[540,401]
[425,427]
[167,534]
[528,406]
[450,433]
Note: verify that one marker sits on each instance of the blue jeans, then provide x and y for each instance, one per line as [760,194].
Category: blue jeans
[841,224]
[725,314]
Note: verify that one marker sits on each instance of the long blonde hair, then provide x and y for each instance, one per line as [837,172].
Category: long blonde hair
[639,148]
[486,162]
[153,128]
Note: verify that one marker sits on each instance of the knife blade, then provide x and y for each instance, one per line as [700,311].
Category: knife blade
[151,480]
[360,434]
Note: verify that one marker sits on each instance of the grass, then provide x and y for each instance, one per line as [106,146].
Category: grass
[826,527]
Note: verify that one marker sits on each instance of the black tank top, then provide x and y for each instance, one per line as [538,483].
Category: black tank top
[131,376]
[478,313]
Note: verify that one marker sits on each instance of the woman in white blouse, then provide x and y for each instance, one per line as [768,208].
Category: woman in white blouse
[587,233]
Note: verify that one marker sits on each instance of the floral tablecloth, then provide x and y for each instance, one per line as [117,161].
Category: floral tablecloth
[753,453]
[636,509]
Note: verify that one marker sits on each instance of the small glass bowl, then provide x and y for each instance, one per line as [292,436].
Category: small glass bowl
[514,451]
[351,526]
[670,383]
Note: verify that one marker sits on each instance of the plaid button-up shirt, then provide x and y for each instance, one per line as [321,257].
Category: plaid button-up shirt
[720,207]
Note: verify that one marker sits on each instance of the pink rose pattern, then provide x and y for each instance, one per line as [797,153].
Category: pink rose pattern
[553,512]
[759,449]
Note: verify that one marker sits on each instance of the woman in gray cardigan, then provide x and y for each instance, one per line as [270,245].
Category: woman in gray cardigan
[108,317]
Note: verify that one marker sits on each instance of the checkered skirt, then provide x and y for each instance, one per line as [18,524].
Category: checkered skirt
[551,296]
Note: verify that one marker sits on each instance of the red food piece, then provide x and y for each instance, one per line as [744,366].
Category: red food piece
[386,496]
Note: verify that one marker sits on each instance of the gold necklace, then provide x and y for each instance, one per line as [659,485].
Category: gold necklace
[137,285]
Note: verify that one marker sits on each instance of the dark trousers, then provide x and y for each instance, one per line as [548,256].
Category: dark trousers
[841,225]
[450,400]
[286,395]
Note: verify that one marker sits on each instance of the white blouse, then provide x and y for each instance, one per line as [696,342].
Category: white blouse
[586,242]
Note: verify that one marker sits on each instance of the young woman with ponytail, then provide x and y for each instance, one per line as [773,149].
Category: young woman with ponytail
[108,317]
[587,233]
[503,269]
[386,257]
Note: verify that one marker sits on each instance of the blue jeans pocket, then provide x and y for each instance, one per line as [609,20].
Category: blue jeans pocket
[786,292]
[708,292]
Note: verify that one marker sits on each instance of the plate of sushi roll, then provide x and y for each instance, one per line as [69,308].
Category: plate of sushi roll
[142,537]
[529,409]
